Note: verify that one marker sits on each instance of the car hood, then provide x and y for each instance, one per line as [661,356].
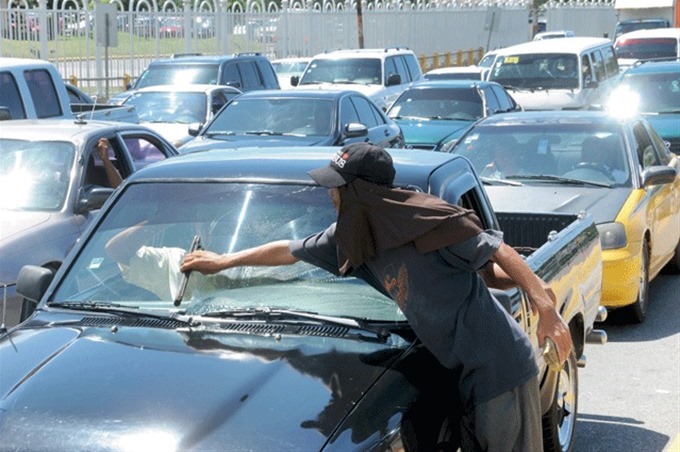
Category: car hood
[431,132]
[15,222]
[666,125]
[603,204]
[87,383]
[204,144]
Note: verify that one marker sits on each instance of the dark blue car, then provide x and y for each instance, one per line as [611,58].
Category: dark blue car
[309,117]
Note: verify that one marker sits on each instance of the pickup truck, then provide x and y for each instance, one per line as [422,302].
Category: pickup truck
[34,89]
[261,358]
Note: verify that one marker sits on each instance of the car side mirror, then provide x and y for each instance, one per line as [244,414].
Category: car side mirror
[128,86]
[355,130]
[5,114]
[33,281]
[93,199]
[195,128]
[234,84]
[658,175]
[394,79]
[294,80]
[592,84]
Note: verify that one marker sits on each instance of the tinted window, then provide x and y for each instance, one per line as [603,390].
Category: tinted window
[171,74]
[43,93]
[505,102]
[492,103]
[347,112]
[401,69]
[598,64]
[439,103]
[231,76]
[610,63]
[645,150]
[413,66]
[643,48]
[143,151]
[10,97]
[251,77]
[268,74]
[365,112]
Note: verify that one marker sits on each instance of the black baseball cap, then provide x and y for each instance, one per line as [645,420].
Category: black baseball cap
[359,160]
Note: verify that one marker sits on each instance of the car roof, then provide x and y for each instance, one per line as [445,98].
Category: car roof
[445,83]
[472,69]
[60,129]
[311,93]
[280,164]
[7,62]
[187,88]
[655,66]
[363,53]
[651,33]
[547,117]
[205,59]
[556,45]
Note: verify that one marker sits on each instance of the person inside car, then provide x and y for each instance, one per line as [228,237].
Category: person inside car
[436,262]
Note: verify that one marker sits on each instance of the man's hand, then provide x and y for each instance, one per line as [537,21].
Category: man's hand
[205,262]
[103,149]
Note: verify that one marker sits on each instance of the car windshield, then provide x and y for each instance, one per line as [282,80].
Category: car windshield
[656,93]
[537,71]
[165,217]
[174,74]
[276,116]
[438,103]
[34,175]
[363,71]
[590,153]
[644,48]
[175,107]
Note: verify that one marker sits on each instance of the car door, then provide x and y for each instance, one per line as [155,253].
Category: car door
[661,201]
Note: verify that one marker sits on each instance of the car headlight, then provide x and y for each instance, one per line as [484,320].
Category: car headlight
[612,235]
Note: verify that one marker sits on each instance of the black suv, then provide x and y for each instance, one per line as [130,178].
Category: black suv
[245,71]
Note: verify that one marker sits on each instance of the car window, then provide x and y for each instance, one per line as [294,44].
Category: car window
[231,75]
[413,66]
[348,112]
[505,101]
[251,77]
[402,70]
[43,93]
[644,48]
[268,74]
[390,68]
[10,97]
[644,147]
[365,112]
[586,69]
[610,63]
[598,64]
[143,151]
[170,74]
[665,154]
[492,103]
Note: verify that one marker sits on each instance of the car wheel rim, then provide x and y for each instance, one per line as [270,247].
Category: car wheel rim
[566,404]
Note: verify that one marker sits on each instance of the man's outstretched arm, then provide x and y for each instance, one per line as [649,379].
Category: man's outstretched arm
[270,254]
[550,323]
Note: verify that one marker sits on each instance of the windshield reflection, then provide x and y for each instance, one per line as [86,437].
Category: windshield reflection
[157,223]
[34,175]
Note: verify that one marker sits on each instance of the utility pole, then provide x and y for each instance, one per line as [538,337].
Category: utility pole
[360,24]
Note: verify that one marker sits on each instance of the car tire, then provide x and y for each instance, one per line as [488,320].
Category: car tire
[559,422]
[638,310]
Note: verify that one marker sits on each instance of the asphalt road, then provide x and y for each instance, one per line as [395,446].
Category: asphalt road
[629,391]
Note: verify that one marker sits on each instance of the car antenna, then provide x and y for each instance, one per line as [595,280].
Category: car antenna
[94,105]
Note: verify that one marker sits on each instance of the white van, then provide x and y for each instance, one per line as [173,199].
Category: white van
[647,44]
[557,74]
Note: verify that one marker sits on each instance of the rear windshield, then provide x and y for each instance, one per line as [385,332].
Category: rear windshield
[171,74]
[643,48]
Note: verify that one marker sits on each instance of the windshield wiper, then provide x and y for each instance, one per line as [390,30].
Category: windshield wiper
[497,181]
[287,314]
[115,308]
[562,180]
[224,132]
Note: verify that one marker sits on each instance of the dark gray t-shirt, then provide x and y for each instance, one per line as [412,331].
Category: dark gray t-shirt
[448,306]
